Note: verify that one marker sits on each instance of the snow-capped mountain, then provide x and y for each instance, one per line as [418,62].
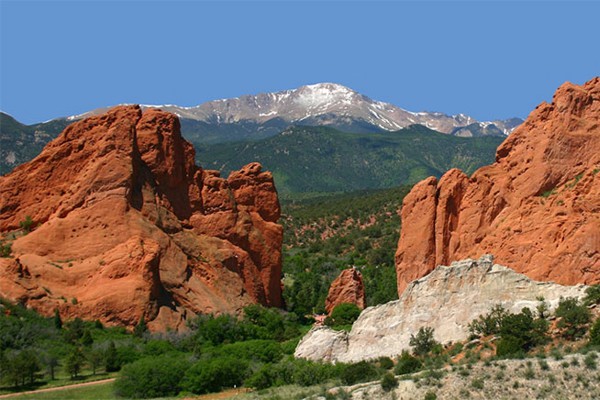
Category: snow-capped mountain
[328,104]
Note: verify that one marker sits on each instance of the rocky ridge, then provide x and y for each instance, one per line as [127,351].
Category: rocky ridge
[537,208]
[128,226]
[447,300]
[330,104]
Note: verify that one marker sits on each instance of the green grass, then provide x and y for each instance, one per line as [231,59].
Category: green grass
[101,391]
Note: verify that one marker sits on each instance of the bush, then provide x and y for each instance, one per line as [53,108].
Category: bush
[386,363]
[595,334]
[407,364]
[213,375]
[592,295]
[359,372]
[573,318]
[344,314]
[152,377]
[509,346]
[490,323]
[388,382]
[423,342]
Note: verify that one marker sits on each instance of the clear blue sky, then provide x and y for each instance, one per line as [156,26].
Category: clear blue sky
[486,59]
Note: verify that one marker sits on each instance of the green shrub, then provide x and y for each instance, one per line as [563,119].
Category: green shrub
[592,295]
[26,224]
[490,323]
[590,361]
[423,342]
[430,396]
[573,318]
[407,364]
[359,372]
[477,383]
[5,250]
[388,382]
[509,346]
[152,377]
[595,334]
[386,363]
[344,314]
[213,375]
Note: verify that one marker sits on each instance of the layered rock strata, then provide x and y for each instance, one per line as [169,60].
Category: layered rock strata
[127,225]
[537,208]
[447,300]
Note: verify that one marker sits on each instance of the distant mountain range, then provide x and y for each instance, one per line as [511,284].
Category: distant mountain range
[258,117]
[309,161]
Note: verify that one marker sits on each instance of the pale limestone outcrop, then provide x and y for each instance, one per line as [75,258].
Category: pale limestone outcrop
[447,299]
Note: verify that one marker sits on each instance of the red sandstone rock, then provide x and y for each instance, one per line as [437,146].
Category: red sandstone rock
[128,225]
[536,209]
[346,288]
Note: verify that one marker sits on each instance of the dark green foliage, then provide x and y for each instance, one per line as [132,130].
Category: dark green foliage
[389,382]
[385,363]
[407,364]
[592,295]
[266,351]
[5,249]
[521,332]
[26,224]
[344,314]
[140,328]
[595,334]
[57,320]
[21,328]
[423,342]
[490,323]
[359,372]
[213,375]
[24,141]
[319,159]
[95,358]
[111,358]
[152,377]
[430,396]
[21,367]
[86,338]
[74,330]
[74,362]
[573,318]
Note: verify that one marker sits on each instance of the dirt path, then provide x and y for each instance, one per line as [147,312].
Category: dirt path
[52,389]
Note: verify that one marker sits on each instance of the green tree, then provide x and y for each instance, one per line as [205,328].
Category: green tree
[388,382]
[95,357]
[213,375]
[573,318]
[490,323]
[86,338]
[140,328]
[57,320]
[595,334]
[344,314]
[359,372]
[423,342]
[592,295]
[152,377]
[407,364]
[74,362]
[111,359]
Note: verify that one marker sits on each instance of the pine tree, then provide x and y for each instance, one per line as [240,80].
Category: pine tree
[140,328]
[111,358]
[57,320]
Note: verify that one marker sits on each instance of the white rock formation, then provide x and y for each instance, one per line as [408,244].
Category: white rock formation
[447,299]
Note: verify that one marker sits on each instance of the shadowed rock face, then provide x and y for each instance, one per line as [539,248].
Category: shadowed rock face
[348,287]
[537,208]
[128,225]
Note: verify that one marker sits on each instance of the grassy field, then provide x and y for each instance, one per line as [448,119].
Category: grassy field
[101,391]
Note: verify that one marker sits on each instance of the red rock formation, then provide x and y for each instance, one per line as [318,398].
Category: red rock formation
[346,288]
[536,209]
[128,225]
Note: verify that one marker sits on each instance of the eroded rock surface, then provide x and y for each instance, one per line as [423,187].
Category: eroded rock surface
[128,225]
[447,299]
[537,208]
[348,287]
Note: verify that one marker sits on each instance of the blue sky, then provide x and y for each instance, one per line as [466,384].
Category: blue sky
[486,59]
